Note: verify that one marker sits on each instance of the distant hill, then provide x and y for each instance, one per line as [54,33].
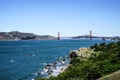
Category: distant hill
[85,36]
[15,35]
[116,38]
[88,36]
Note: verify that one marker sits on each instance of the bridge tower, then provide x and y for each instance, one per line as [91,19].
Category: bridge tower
[90,35]
[58,36]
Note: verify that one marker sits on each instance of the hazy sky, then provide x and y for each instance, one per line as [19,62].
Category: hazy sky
[69,17]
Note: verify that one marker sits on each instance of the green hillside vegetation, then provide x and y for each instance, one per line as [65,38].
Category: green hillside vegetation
[103,61]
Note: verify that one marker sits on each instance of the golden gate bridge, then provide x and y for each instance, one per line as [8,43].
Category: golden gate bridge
[90,36]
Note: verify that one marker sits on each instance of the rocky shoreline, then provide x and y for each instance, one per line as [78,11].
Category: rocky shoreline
[99,62]
[54,69]
[81,52]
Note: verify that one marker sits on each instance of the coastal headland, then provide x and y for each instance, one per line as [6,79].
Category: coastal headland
[16,35]
[95,62]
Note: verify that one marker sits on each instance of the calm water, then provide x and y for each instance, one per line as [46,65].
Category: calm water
[20,59]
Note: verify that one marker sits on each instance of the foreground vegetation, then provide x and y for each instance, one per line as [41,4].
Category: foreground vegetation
[104,61]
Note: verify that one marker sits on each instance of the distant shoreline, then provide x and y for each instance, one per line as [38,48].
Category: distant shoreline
[15,35]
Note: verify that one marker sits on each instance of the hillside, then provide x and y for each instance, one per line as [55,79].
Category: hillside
[15,35]
[88,36]
[113,76]
[92,63]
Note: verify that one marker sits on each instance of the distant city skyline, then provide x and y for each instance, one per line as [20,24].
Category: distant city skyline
[69,17]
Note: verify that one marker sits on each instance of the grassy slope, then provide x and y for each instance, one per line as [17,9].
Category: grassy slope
[113,76]
[105,60]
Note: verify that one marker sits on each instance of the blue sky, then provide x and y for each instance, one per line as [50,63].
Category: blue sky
[69,17]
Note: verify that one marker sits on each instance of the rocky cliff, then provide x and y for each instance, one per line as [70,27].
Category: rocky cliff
[15,35]
[82,52]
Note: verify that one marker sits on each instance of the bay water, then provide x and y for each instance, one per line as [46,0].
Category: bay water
[20,60]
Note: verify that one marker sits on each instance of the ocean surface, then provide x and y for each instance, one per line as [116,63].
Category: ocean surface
[20,60]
